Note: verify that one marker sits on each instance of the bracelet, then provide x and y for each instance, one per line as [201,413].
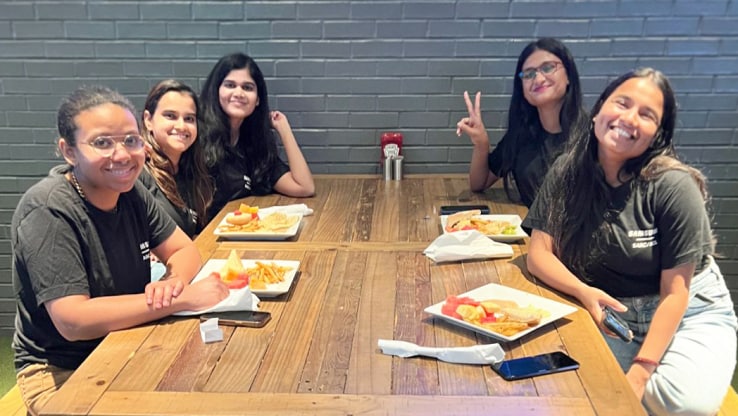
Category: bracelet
[648,361]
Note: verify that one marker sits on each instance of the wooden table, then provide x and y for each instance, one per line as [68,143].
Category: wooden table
[362,277]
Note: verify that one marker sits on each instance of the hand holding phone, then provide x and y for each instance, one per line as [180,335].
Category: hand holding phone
[617,325]
[251,319]
[518,368]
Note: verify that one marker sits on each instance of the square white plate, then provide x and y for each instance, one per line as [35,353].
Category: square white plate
[260,235]
[272,289]
[504,238]
[555,309]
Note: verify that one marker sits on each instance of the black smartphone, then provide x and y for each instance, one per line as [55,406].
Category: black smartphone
[452,209]
[252,319]
[538,365]
[617,325]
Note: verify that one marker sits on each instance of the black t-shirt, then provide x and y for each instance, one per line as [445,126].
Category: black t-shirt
[64,246]
[234,178]
[531,162]
[186,218]
[653,226]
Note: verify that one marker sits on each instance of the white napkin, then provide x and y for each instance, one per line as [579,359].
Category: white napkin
[238,300]
[476,354]
[210,332]
[288,209]
[464,245]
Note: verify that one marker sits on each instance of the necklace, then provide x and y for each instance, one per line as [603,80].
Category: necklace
[78,188]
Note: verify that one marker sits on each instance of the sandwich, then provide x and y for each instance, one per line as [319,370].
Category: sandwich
[455,222]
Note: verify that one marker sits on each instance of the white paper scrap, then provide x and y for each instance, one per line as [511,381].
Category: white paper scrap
[210,331]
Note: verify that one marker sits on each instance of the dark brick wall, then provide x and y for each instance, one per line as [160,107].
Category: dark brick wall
[345,71]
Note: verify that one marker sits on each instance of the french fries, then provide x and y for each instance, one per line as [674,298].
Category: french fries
[263,274]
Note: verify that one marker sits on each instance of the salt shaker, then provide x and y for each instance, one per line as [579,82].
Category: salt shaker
[397,168]
[388,169]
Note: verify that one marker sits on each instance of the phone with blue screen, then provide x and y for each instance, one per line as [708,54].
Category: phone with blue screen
[538,365]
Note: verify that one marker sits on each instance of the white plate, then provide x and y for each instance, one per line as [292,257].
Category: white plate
[272,289]
[504,238]
[555,309]
[261,235]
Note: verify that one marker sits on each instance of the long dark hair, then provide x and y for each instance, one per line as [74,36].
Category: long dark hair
[523,122]
[579,203]
[197,193]
[255,139]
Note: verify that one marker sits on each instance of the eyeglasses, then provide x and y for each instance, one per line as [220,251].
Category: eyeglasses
[546,68]
[105,145]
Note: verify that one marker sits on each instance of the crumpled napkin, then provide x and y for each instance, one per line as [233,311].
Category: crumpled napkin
[465,245]
[476,354]
[288,209]
[238,300]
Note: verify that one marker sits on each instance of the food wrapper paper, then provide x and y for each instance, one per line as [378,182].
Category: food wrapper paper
[476,354]
[287,209]
[466,245]
[238,300]
[210,331]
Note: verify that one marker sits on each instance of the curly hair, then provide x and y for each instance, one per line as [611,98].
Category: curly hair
[197,194]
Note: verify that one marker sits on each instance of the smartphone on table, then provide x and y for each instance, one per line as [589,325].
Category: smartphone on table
[251,319]
[617,325]
[452,209]
[538,365]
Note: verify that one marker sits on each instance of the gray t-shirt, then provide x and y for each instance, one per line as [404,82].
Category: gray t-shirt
[653,226]
[64,246]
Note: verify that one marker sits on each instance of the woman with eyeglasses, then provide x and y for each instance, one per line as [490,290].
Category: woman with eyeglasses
[81,241]
[545,108]
[240,146]
[175,172]
[621,223]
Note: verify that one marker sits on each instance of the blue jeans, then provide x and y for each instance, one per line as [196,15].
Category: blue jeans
[697,367]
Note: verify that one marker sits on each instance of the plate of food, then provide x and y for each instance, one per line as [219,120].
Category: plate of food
[499,311]
[251,223]
[266,278]
[503,228]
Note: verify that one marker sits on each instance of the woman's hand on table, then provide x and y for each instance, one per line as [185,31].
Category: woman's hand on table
[159,294]
[204,293]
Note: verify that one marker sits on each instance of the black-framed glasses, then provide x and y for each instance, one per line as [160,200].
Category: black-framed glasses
[546,68]
[105,145]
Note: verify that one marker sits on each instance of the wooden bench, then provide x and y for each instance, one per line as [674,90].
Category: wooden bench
[12,404]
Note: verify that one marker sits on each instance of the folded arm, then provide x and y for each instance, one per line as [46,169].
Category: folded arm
[79,317]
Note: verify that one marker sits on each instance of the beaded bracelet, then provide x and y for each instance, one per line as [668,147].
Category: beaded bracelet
[648,361]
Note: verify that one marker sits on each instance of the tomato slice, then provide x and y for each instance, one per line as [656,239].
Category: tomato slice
[449,309]
[240,281]
[489,318]
[452,303]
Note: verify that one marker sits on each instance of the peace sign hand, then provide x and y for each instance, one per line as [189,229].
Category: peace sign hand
[473,125]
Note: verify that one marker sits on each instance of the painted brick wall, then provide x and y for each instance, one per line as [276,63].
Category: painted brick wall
[343,71]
